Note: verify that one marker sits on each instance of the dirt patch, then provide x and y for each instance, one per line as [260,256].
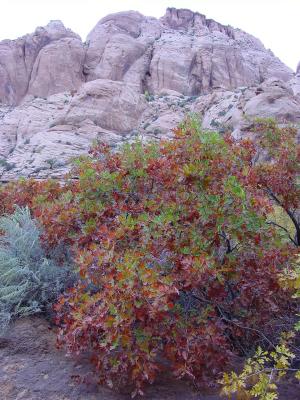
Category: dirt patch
[33,369]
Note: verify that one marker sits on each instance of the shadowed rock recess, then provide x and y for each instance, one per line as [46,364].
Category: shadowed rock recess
[134,75]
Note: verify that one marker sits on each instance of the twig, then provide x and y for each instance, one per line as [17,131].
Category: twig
[289,213]
[246,328]
[283,228]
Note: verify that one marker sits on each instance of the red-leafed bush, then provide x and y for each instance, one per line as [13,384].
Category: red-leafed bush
[177,254]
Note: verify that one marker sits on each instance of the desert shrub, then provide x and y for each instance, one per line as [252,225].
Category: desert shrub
[214,123]
[222,113]
[29,280]
[51,162]
[179,252]
[177,257]
[28,192]
[6,165]
[278,180]
[261,373]
[149,97]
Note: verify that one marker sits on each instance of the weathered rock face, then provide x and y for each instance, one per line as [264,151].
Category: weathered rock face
[45,62]
[235,110]
[135,75]
[183,51]
[39,137]
[120,48]
[58,67]
[295,82]
[114,106]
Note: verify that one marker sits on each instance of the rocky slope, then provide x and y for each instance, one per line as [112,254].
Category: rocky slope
[135,75]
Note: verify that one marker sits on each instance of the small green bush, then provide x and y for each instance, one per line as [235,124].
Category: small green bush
[222,113]
[52,162]
[30,280]
[149,97]
[6,165]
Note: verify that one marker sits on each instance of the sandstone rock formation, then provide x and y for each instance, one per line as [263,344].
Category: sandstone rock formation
[182,51]
[135,75]
[234,110]
[45,62]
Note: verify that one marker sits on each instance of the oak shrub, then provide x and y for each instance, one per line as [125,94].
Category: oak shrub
[178,255]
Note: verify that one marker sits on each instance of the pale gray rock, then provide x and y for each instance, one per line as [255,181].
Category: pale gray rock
[120,48]
[275,100]
[135,76]
[183,51]
[295,82]
[19,129]
[195,55]
[295,85]
[234,111]
[40,137]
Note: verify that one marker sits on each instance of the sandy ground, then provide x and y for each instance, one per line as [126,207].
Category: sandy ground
[32,369]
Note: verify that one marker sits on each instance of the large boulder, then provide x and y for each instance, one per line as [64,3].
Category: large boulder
[274,98]
[113,105]
[58,67]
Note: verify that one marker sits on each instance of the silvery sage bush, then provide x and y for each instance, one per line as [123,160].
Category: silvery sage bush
[30,279]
